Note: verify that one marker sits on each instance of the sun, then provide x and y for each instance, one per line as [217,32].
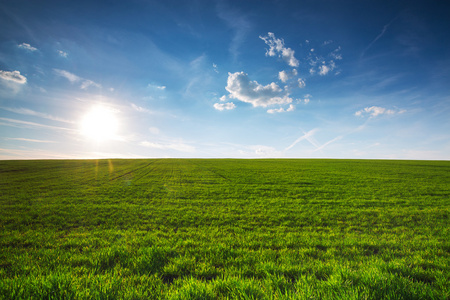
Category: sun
[100,124]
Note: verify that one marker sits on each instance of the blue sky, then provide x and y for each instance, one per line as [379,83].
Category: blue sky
[246,79]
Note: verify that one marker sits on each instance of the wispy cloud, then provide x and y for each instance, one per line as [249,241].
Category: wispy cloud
[215,68]
[276,47]
[238,22]
[383,31]
[375,111]
[26,124]
[260,151]
[27,47]
[142,109]
[29,140]
[13,76]
[177,146]
[29,112]
[329,142]
[84,83]
[306,136]
[62,53]
[309,136]
[156,86]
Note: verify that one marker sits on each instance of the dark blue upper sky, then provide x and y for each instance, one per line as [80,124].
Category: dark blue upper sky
[356,79]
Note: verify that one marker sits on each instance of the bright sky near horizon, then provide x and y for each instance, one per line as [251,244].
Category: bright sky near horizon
[245,79]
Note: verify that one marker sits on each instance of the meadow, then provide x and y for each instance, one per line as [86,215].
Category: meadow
[224,229]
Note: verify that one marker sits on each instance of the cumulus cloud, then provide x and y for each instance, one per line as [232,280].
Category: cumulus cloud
[13,76]
[284,76]
[324,69]
[243,89]
[375,111]
[323,62]
[276,47]
[27,47]
[84,83]
[224,106]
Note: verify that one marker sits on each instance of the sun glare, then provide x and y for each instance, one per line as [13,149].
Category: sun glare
[99,124]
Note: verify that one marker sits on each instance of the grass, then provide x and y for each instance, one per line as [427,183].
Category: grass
[224,229]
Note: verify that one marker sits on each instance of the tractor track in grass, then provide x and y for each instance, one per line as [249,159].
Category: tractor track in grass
[209,170]
[134,171]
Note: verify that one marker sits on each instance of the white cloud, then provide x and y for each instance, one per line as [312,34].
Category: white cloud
[13,76]
[155,86]
[223,98]
[321,62]
[301,83]
[283,76]
[280,110]
[85,83]
[275,110]
[62,53]
[27,47]
[374,111]
[277,47]
[242,88]
[69,76]
[325,69]
[224,106]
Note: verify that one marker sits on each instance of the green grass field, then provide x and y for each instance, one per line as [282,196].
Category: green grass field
[224,229]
